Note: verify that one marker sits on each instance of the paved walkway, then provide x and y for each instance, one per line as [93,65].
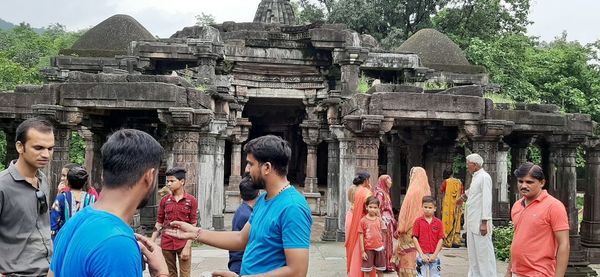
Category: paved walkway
[327,259]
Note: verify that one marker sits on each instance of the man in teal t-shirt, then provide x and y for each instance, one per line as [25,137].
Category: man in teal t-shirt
[98,241]
[277,236]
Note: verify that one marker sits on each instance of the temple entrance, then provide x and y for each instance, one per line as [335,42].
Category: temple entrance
[280,117]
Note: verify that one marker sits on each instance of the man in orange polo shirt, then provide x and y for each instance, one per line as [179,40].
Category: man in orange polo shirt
[540,246]
[180,206]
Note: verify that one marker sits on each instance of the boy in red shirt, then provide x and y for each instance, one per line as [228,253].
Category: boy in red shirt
[428,234]
[371,239]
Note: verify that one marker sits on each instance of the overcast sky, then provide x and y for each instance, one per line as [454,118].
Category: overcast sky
[164,17]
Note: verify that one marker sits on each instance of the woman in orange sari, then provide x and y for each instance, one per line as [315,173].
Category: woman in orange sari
[382,192]
[405,254]
[451,211]
[353,254]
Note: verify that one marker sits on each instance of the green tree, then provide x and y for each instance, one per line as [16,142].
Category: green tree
[463,20]
[389,21]
[308,12]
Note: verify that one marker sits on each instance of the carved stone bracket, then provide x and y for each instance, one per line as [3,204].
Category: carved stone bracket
[65,116]
[310,132]
[350,55]
[182,117]
[368,125]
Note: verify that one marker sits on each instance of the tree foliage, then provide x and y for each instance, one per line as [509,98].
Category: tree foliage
[23,52]
[205,19]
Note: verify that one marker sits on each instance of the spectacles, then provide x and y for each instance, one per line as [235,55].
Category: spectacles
[42,202]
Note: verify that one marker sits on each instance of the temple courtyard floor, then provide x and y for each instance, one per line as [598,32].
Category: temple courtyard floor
[328,259]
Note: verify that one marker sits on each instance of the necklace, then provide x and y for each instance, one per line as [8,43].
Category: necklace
[282,189]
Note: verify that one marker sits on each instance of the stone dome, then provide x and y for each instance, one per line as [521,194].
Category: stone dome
[110,37]
[438,52]
[275,11]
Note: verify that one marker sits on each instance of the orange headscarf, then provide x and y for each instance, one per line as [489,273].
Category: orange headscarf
[411,208]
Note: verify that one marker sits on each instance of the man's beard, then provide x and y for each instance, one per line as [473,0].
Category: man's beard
[258,183]
[145,200]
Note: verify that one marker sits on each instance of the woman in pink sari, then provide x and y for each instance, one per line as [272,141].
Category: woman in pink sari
[353,254]
[382,192]
[405,254]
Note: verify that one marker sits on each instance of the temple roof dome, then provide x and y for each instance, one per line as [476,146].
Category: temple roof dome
[438,52]
[110,37]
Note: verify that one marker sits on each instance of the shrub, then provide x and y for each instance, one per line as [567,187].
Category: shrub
[502,238]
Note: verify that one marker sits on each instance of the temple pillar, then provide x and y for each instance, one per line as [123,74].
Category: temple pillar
[218,194]
[310,136]
[485,138]
[563,153]
[440,158]
[349,59]
[193,150]
[11,148]
[333,164]
[239,136]
[393,168]
[367,150]
[518,156]
[590,226]
[502,177]
[345,174]
[92,158]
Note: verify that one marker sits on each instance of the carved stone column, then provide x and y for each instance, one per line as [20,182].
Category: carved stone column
[333,188]
[11,149]
[206,181]
[219,187]
[393,167]
[184,138]
[349,60]
[563,152]
[485,137]
[240,134]
[345,173]
[590,227]
[502,178]
[90,147]
[310,135]
[518,155]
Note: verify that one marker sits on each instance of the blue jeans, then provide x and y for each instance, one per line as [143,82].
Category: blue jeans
[431,269]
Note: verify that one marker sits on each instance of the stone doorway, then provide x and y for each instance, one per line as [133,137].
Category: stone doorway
[280,117]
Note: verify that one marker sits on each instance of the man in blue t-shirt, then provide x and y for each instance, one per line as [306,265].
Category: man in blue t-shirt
[98,241]
[276,238]
[241,216]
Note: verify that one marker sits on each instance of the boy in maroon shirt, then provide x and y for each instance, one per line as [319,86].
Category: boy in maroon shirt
[428,235]
[180,206]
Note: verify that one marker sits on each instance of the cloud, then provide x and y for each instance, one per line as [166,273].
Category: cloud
[160,17]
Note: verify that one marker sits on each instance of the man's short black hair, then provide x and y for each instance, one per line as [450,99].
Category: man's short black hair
[39,124]
[77,177]
[247,190]
[69,166]
[127,155]
[272,149]
[177,172]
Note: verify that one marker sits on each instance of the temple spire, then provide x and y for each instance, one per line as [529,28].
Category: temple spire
[275,11]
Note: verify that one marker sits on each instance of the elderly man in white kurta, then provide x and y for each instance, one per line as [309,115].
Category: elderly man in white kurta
[482,260]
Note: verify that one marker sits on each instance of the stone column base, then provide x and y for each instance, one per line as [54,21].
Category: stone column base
[234,182]
[311,184]
[593,254]
[314,202]
[232,200]
[330,231]
[218,222]
[580,271]
[341,235]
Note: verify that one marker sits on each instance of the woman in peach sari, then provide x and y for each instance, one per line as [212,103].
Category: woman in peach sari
[405,254]
[353,254]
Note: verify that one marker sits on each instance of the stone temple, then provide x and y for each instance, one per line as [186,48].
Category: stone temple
[207,90]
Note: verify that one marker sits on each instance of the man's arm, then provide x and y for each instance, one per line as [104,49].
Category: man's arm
[157,228]
[562,255]
[228,240]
